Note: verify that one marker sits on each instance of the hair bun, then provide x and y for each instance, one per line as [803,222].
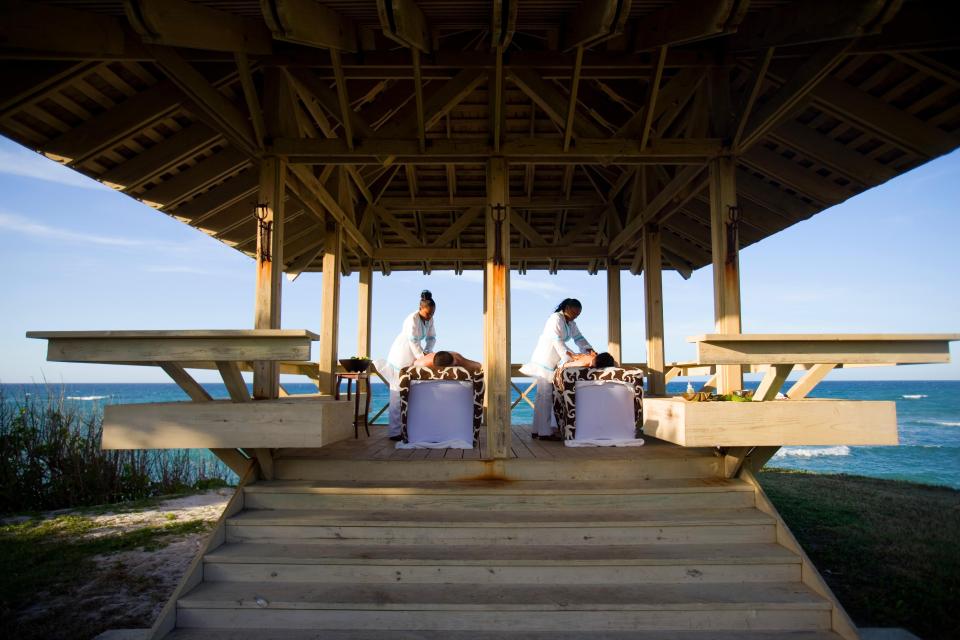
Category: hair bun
[426,295]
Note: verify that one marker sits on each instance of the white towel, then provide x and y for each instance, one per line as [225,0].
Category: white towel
[631,442]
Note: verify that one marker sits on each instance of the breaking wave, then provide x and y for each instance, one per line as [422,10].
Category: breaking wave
[86,397]
[803,452]
[914,396]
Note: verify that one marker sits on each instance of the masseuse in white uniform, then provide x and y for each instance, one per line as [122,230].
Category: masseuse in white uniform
[417,328]
[551,351]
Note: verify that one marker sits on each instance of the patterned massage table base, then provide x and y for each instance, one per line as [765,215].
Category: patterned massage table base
[410,374]
[565,394]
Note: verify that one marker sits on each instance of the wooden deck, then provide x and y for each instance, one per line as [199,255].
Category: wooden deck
[379,447]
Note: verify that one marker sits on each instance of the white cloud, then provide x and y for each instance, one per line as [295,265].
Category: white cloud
[26,164]
[23,225]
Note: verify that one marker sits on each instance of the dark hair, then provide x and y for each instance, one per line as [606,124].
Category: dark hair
[604,360]
[568,302]
[426,299]
[443,359]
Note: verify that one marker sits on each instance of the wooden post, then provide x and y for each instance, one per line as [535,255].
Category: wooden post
[653,309]
[614,345]
[724,219]
[266,313]
[497,310]
[364,310]
[330,301]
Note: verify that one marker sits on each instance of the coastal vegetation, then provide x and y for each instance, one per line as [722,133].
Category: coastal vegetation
[50,458]
[890,550]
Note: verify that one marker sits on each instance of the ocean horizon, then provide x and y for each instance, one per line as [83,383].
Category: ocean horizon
[928,419]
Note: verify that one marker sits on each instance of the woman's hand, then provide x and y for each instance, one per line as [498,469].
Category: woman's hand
[571,354]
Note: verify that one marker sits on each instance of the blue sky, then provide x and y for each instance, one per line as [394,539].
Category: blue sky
[79,256]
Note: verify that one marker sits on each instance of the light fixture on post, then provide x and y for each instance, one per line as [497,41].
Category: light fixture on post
[264,229]
[499,213]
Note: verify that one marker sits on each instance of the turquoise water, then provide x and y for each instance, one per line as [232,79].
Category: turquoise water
[928,416]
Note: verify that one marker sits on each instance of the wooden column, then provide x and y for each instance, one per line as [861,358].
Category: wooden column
[724,219]
[266,309]
[364,310]
[330,298]
[614,345]
[497,310]
[653,309]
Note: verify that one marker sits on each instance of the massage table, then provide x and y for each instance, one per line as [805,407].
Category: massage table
[440,408]
[599,407]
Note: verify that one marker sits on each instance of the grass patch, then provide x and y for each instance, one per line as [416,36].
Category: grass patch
[890,550]
[51,556]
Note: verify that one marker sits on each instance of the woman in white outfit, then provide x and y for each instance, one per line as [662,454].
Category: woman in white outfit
[551,350]
[417,338]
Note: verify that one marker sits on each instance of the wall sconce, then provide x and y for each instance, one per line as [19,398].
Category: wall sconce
[264,229]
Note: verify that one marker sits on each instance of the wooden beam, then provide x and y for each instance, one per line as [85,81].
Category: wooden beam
[652,91]
[418,99]
[311,87]
[213,104]
[107,129]
[495,98]
[614,309]
[809,380]
[161,157]
[888,122]
[364,312]
[683,178]
[673,97]
[603,151]
[538,203]
[811,22]
[330,305]
[724,218]
[795,92]
[32,25]
[497,310]
[688,21]
[269,265]
[343,98]
[405,234]
[178,23]
[453,231]
[772,380]
[438,105]
[755,88]
[240,187]
[794,176]
[309,23]
[250,96]
[402,21]
[186,382]
[526,230]
[572,106]
[206,173]
[315,189]
[417,254]
[233,380]
[549,99]
[595,21]
[653,309]
[504,23]
[837,157]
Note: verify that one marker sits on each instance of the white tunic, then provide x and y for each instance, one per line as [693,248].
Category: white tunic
[406,346]
[552,348]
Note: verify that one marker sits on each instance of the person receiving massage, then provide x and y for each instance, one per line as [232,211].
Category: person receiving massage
[442,359]
[550,351]
[417,337]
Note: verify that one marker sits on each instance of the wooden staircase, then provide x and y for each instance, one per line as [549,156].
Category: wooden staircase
[467,550]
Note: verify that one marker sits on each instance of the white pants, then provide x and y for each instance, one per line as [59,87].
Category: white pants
[544,422]
[394,413]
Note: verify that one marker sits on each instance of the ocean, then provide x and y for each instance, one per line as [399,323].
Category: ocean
[928,416]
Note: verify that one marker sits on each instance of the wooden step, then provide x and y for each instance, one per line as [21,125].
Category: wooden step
[580,527]
[673,463]
[427,634]
[501,564]
[500,495]
[517,607]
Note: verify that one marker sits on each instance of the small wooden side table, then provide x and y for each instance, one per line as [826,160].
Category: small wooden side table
[357,416]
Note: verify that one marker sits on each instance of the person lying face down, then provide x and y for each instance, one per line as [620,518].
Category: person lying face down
[594,360]
[447,359]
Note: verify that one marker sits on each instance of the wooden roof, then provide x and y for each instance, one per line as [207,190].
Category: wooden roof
[175,102]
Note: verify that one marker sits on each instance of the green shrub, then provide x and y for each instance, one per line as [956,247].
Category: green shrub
[50,458]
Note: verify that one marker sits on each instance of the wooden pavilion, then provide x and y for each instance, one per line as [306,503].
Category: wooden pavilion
[347,136]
